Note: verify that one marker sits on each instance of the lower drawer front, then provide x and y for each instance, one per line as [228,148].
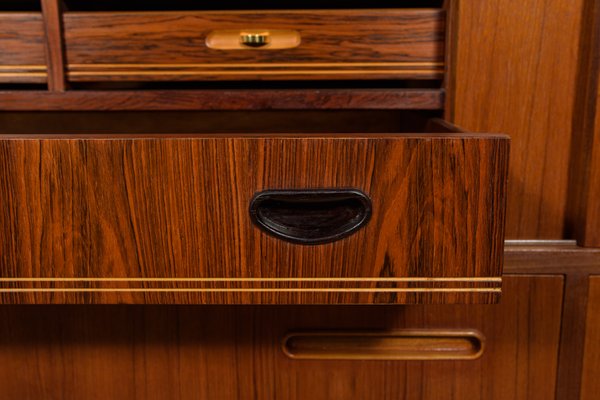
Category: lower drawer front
[235,352]
[167,219]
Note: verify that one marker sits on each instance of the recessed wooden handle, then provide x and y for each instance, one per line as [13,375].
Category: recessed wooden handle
[253,39]
[398,345]
[310,216]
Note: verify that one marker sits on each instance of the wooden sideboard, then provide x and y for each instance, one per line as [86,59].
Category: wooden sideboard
[117,120]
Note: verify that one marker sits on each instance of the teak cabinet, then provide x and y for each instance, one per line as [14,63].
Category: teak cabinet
[387,201]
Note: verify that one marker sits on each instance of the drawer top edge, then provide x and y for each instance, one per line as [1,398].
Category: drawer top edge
[292,136]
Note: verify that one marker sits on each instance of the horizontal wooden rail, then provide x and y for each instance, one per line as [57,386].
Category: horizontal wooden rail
[214,99]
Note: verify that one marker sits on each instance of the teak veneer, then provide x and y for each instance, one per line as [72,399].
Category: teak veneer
[157,352]
[86,218]
[165,218]
[332,44]
[22,54]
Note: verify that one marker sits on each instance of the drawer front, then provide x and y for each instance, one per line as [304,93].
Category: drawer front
[22,57]
[155,352]
[328,44]
[167,219]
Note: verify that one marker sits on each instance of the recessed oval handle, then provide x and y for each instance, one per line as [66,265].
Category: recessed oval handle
[310,216]
[400,345]
[253,39]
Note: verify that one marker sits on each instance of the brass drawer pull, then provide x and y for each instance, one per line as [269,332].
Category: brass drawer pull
[396,345]
[253,39]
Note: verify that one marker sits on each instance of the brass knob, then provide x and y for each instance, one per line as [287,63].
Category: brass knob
[255,39]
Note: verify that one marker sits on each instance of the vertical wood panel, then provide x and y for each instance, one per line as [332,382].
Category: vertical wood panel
[572,336]
[54,47]
[515,72]
[583,220]
[591,364]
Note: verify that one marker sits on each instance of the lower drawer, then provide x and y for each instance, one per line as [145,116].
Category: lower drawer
[248,218]
[235,352]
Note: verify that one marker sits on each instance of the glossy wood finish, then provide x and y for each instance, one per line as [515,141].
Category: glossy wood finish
[335,44]
[514,70]
[576,264]
[415,345]
[22,58]
[257,99]
[591,366]
[235,352]
[159,208]
[584,190]
[551,257]
[54,44]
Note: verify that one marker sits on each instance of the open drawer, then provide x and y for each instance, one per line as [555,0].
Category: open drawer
[253,217]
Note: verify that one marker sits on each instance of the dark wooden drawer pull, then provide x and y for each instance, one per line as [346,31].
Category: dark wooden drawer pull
[399,345]
[310,216]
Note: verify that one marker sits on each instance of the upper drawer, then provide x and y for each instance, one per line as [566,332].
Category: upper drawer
[381,218]
[311,44]
[22,53]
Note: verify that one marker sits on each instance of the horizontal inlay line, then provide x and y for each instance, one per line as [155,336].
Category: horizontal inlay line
[27,67]
[258,65]
[23,74]
[257,72]
[259,290]
[490,279]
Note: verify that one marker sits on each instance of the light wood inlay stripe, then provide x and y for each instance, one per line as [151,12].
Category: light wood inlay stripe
[251,280]
[258,65]
[23,74]
[257,72]
[23,67]
[258,290]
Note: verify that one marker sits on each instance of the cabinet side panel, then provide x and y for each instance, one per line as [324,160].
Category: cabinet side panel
[514,71]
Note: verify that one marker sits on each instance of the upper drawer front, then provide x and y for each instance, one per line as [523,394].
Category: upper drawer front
[22,57]
[151,220]
[342,44]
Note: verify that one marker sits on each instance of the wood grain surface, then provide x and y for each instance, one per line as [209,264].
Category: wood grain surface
[583,217]
[550,257]
[159,208]
[51,11]
[590,386]
[217,99]
[22,58]
[225,352]
[514,70]
[335,44]
[576,264]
